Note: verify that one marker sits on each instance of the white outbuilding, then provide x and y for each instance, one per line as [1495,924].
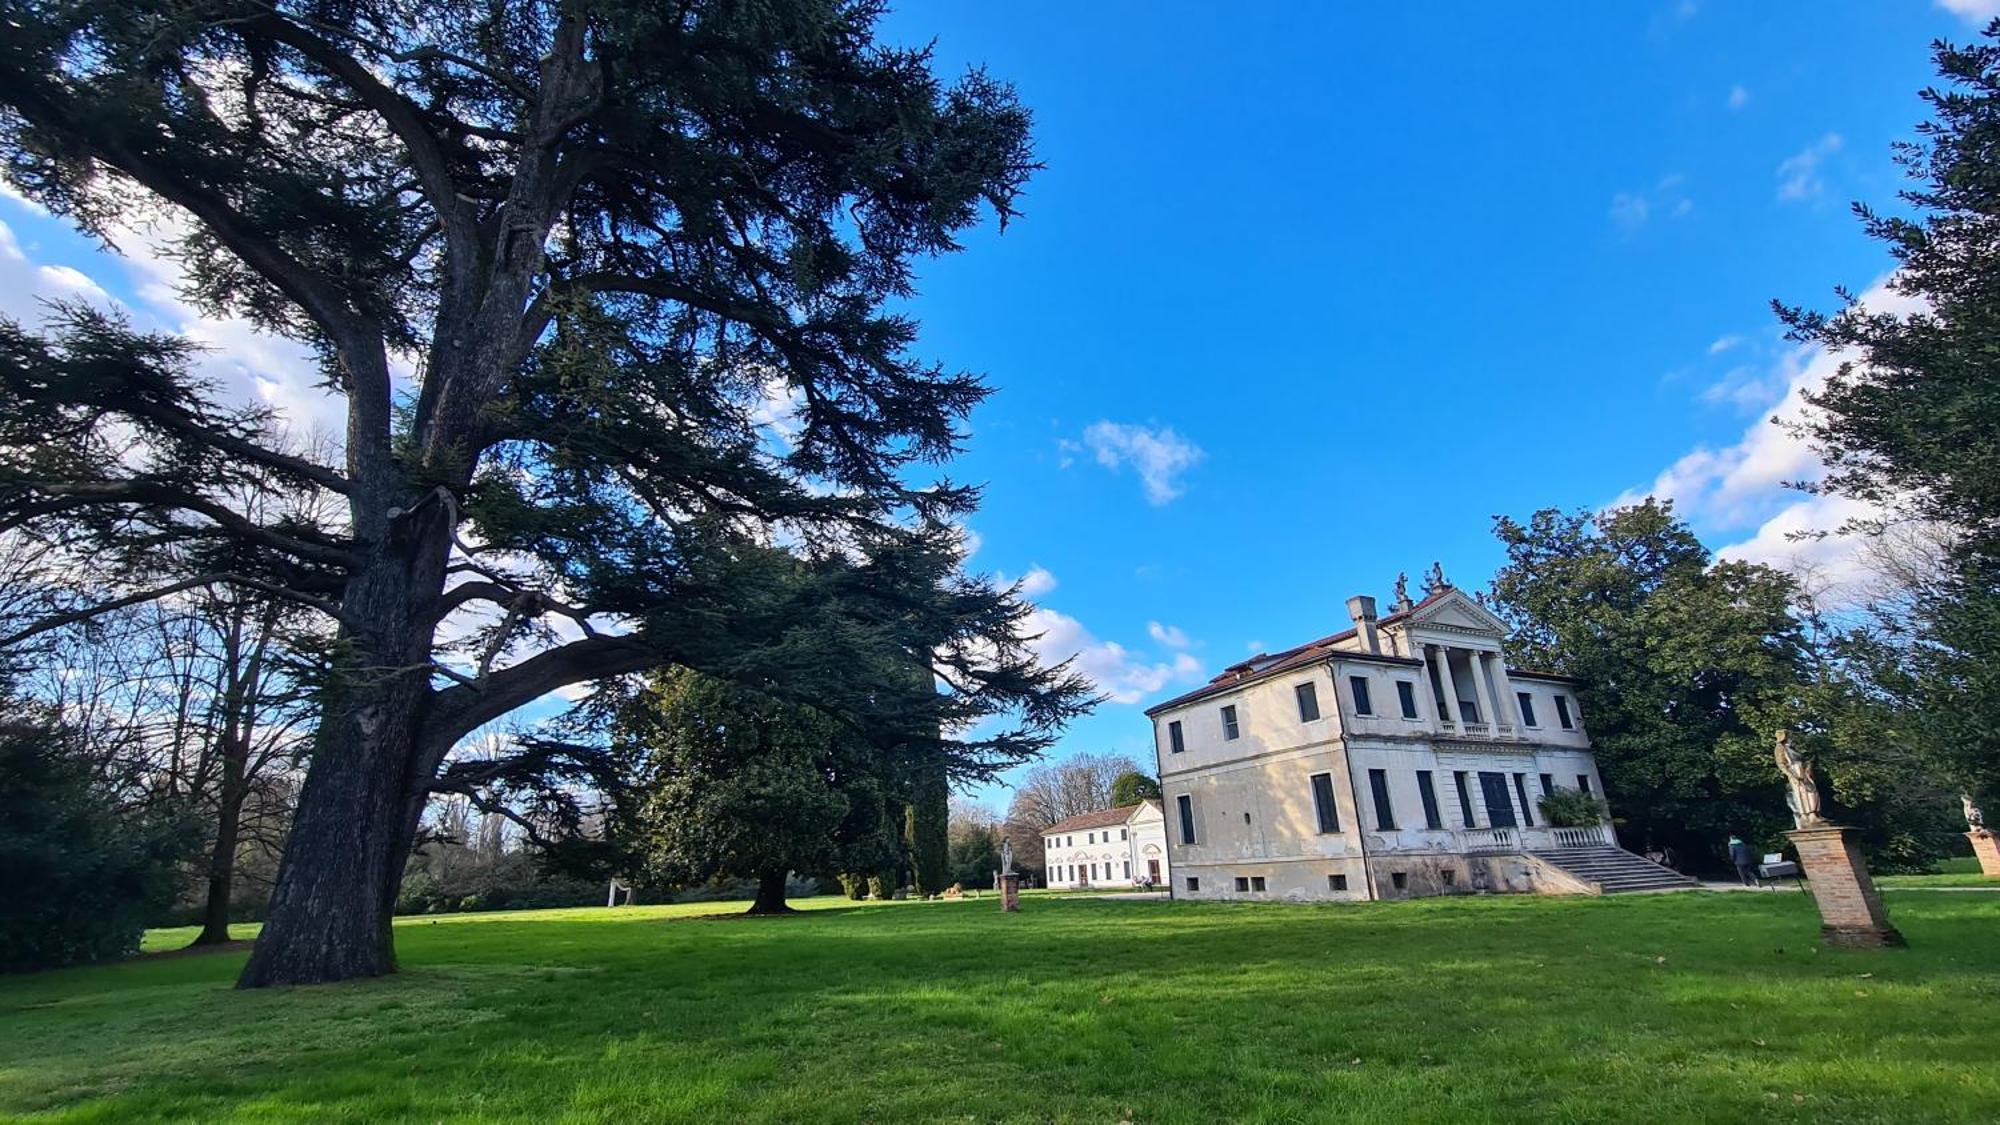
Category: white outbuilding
[1119,847]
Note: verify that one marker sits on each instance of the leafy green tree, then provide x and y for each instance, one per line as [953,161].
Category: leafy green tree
[1686,667]
[730,782]
[607,235]
[975,855]
[85,870]
[929,829]
[1131,787]
[1912,425]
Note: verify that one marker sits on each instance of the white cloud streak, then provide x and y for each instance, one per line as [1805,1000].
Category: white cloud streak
[1739,491]
[1160,456]
[1799,174]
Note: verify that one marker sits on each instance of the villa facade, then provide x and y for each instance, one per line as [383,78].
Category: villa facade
[1399,758]
[1119,847]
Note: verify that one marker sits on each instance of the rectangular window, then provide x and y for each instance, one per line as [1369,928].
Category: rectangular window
[1428,791]
[1521,791]
[1464,799]
[1185,804]
[1399,880]
[1449,876]
[1359,686]
[1583,784]
[1193,883]
[1499,806]
[1256,882]
[1175,742]
[1527,708]
[1229,728]
[1336,882]
[1243,884]
[1308,697]
[1406,695]
[1329,815]
[1562,713]
[1089,838]
[1385,816]
[1548,785]
[1128,869]
[1122,834]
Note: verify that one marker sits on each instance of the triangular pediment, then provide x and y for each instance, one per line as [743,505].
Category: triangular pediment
[1455,609]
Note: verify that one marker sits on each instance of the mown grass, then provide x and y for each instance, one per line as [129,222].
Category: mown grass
[1959,871]
[1673,1007]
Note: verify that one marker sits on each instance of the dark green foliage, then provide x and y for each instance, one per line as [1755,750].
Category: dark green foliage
[1686,668]
[929,830]
[82,877]
[1912,425]
[975,856]
[1131,787]
[610,233]
[728,782]
[1571,808]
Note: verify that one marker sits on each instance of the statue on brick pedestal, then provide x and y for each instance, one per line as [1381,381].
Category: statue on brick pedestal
[1802,791]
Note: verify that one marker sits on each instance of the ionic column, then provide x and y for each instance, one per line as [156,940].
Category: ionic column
[1509,701]
[1482,692]
[1440,658]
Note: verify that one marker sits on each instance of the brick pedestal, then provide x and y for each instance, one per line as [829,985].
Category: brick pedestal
[1986,846]
[1010,893]
[1850,911]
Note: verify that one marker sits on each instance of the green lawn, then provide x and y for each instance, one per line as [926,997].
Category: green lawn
[1671,1007]
[1959,871]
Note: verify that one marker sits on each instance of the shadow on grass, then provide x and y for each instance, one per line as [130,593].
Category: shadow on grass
[1695,1005]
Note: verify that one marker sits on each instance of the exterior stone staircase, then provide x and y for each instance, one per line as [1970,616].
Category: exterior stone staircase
[1614,870]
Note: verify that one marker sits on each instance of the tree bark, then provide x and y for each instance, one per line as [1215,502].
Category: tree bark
[363,798]
[770,894]
[222,861]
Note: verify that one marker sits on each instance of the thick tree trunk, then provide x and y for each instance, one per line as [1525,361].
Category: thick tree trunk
[770,894]
[358,811]
[222,861]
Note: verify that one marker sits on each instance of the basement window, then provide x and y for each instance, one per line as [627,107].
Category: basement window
[1399,880]
[1336,882]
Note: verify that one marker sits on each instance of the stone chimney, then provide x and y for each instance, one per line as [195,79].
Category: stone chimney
[1361,608]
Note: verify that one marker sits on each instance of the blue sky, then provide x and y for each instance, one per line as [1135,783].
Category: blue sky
[1308,293]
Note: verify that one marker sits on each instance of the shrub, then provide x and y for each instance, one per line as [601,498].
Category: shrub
[82,876]
[1572,808]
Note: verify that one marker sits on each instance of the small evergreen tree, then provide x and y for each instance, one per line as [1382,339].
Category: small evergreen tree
[1131,787]
[83,877]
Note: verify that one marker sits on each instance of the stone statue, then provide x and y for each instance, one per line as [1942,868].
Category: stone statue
[1975,819]
[1434,579]
[1802,792]
[1006,857]
[1402,591]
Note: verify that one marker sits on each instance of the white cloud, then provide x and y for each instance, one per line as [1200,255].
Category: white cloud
[1745,387]
[1977,12]
[1159,456]
[1629,211]
[1799,174]
[1255,647]
[65,282]
[1739,96]
[1172,636]
[1739,491]
[1122,675]
[1036,582]
[1723,344]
